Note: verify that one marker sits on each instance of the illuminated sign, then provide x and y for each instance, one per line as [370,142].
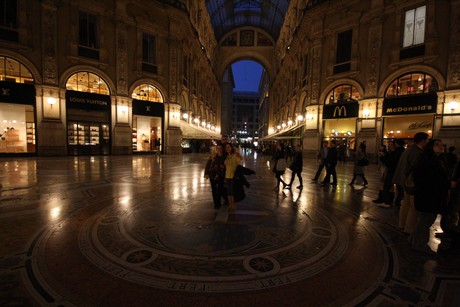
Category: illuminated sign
[343,110]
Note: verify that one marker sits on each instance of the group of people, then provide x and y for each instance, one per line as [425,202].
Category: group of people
[220,170]
[280,165]
[421,181]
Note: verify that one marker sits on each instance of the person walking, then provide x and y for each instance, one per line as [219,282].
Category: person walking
[331,163]
[432,184]
[279,166]
[403,177]
[359,165]
[296,167]
[395,150]
[215,172]
[231,163]
[322,156]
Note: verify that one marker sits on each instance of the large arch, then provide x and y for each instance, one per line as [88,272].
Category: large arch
[74,69]
[421,68]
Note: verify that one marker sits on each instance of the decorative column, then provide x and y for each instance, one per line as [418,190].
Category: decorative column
[51,137]
[122,131]
[172,117]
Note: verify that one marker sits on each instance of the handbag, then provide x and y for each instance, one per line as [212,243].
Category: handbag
[281,165]
[363,162]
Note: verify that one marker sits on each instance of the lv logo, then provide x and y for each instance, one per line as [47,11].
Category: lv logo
[5,92]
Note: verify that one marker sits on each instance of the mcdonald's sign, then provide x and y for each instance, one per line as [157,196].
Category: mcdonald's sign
[343,110]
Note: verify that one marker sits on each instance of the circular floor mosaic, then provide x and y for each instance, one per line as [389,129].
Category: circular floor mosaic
[186,251]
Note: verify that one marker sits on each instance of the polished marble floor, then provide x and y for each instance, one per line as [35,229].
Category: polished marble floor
[142,231]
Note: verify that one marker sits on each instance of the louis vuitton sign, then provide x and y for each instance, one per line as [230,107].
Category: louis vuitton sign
[17,93]
[87,101]
[343,110]
[148,108]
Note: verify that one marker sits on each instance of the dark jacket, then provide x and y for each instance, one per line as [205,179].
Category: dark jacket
[432,184]
[392,159]
[331,158]
[240,181]
[297,163]
[215,167]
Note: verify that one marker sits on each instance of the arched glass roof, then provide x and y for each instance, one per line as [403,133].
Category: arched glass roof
[229,14]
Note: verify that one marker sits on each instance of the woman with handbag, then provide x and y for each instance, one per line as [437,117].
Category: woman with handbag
[360,163]
[279,166]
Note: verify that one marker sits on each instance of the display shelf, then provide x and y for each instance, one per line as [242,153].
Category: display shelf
[30,132]
[134,139]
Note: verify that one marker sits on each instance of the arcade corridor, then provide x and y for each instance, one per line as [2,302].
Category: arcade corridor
[142,231]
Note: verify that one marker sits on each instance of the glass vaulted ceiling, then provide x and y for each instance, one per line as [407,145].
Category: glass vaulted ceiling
[229,14]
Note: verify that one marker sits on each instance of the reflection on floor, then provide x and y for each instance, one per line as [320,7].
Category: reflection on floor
[142,231]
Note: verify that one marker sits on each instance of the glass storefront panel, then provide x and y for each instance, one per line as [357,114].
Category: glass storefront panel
[146,134]
[88,138]
[343,131]
[17,128]
[405,127]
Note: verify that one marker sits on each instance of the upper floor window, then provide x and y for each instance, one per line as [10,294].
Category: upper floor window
[13,71]
[87,30]
[411,84]
[9,20]
[84,81]
[149,53]
[147,92]
[88,35]
[414,27]
[343,52]
[344,93]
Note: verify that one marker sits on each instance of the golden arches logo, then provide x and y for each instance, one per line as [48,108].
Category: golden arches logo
[339,110]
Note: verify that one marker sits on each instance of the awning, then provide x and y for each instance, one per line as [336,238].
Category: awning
[294,132]
[195,132]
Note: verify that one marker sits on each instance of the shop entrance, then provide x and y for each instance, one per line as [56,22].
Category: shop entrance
[86,138]
[147,134]
[88,133]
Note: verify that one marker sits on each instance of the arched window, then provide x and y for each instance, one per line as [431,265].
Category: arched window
[147,92]
[344,93]
[85,81]
[13,71]
[412,84]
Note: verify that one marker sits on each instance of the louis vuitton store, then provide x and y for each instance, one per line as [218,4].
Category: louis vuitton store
[17,118]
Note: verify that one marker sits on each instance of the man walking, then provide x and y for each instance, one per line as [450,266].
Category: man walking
[403,177]
[322,155]
[331,163]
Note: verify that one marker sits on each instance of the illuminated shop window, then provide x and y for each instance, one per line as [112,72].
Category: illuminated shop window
[412,84]
[87,82]
[344,93]
[13,71]
[147,92]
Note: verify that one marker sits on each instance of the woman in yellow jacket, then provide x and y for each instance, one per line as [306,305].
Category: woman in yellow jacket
[231,163]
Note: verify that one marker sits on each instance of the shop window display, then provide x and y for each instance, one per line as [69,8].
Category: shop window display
[412,84]
[343,94]
[87,82]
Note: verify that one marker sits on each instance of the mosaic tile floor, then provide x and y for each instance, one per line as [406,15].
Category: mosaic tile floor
[142,231]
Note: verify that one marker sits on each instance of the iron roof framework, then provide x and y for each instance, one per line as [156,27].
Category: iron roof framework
[230,14]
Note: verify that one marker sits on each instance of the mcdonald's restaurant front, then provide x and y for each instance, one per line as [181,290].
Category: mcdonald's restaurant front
[339,124]
[405,116]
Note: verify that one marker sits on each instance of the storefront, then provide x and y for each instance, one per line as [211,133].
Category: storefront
[88,123]
[17,118]
[340,125]
[406,115]
[148,126]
